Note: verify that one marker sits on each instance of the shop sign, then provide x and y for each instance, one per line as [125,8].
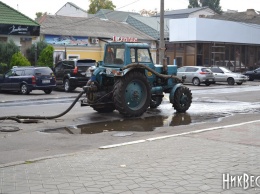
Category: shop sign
[124,39]
[66,40]
[7,29]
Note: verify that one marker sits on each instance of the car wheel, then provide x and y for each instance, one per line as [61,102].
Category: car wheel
[196,81]
[66,84]
[231,81]
[239,83]
[47,91]
[24,89]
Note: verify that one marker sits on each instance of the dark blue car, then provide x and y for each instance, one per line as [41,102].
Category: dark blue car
[26,79]
[255,74]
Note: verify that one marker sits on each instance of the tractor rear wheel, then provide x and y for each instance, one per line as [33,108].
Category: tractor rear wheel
[182,99]
[132,94]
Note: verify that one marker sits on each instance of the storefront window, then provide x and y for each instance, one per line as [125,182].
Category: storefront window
[218,53]
[206,55]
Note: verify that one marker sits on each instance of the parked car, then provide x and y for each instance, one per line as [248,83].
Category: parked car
[196,75]
[71,74]
[234,66]
[255,74]
[223,74]
[26,79]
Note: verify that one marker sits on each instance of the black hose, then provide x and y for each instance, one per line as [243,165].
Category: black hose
[137,65]
[18,117]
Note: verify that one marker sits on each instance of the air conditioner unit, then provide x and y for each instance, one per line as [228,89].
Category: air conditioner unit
[94,41]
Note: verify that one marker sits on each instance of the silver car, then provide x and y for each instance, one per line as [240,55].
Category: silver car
[223,74]
[196,75]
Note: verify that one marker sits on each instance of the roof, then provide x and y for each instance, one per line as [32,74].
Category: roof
[8,15]
[244,17]
[182,13]
[119,16]
[73,5]
[148,25]
[94,27]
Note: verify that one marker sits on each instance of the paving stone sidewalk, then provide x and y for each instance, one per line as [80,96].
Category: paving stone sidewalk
[187,164]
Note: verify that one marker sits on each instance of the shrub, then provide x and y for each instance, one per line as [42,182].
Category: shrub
[3,68]
[30,53]
[7,49]
[46,57]
[19,60]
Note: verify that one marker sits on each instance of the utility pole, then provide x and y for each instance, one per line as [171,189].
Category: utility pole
[35,55]
[162,43]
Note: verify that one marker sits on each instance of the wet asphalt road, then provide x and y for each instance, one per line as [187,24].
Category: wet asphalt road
[82,128]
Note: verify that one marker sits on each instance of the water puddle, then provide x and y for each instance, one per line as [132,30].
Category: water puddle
[145,124]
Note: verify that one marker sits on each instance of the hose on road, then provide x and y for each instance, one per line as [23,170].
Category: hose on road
[18,118]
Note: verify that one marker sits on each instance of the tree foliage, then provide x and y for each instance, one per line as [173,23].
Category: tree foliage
[7,49]
[212,4]
[30,53]
[19,60]
[46,57]
[96,5]
[39,14]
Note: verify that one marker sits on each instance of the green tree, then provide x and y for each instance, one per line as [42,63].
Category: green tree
[30,53]
[96,5]
[212,4]
[19,60]
[7,49]
[193,3]
[46,57]
[3,68]
[39,14]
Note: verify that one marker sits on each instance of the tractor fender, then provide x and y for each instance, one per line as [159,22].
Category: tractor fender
[174,88]
[126,71]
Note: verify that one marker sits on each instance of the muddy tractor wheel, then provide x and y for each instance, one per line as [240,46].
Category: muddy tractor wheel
[155,102]
[182,99]
[132,94]
[104,108]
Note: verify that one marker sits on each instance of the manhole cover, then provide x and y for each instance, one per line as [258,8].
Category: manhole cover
[9,129]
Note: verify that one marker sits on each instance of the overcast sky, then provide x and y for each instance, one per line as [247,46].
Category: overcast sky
[30,7]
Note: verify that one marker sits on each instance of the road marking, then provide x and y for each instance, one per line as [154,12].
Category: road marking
[176,135]
[122,144]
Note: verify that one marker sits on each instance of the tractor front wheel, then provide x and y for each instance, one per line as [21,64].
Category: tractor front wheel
[132,94]
[182,99]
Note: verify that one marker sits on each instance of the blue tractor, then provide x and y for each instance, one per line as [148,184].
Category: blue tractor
[128,81]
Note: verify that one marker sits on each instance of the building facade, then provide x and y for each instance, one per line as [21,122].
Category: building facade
[216,41]
[17,27]
[77,37]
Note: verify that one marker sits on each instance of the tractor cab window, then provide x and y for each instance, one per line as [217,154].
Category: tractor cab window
[139,55]
[143,56]
[115,55]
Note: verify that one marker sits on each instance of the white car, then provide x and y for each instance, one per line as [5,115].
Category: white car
[223,74]
[234,66]
[196,75]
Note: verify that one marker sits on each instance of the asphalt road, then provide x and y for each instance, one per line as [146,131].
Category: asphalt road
[212,106]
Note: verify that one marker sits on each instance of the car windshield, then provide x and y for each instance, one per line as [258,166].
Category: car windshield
[86,62]
[206,70]
[114,54]
[225,70]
